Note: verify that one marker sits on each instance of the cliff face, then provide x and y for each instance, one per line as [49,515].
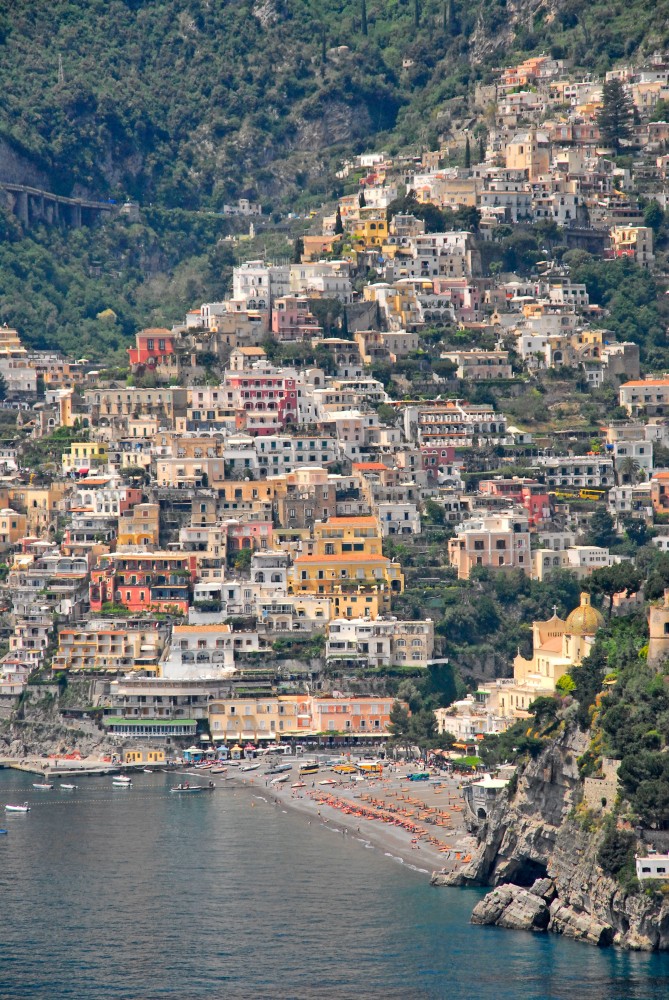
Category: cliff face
[545,864]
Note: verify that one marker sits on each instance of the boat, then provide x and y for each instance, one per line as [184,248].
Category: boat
[43,785]
[203,767]
[309,768]
[122,780]
[3,831]
[186,788]
[328,781]
[218,770]
[299,784]
[18,809]
[279,780]
[67,787]
[250,767]
[279,769]
[147,770]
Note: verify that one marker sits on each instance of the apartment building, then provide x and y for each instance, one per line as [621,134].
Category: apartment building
[497,541]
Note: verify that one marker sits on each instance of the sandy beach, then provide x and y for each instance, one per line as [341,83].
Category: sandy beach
[414,823]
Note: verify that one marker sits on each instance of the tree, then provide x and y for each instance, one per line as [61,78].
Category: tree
[339,226]
[362,201]
[481,148]
[298,250]
[601,530]
[616,850]
[243,560]
[3,387]
[653,215]
[616,115]
[416,13]
[612,580]
[629,471]
[398,723]
[468,154]
[363,16]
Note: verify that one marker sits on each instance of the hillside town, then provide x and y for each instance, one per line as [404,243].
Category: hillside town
[255,529]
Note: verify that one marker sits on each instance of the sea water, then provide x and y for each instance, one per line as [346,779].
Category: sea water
[136,894]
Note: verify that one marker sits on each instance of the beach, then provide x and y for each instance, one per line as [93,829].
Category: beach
[417,823]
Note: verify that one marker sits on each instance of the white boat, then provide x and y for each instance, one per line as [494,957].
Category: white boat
[250,767]
[18,809]
[280,779]
[122,781]
[147,770]
[67,787]
[43,785]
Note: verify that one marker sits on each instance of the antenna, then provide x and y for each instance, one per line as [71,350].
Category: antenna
[61,73]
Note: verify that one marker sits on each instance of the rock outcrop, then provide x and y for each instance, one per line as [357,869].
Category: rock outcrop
[543,863]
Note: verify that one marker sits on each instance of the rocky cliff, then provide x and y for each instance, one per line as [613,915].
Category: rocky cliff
[543,862]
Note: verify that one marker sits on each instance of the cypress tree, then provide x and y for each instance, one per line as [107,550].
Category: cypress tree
[416,13]
[615,116]
[481,149]
[362,201]
[468,154]
[339,227]
[363,12]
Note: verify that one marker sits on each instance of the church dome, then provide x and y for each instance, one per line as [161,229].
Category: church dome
[584,620]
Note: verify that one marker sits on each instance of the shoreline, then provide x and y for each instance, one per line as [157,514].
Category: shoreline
[404,846]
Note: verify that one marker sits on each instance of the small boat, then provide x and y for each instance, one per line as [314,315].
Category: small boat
[279,769]
[147,770]
[218,770]
[67,787]
[18,809]
[42,785]
[279,780]
[185,788]
[328,781]
[3,831]
[310,767]
[122,781]
[299,784]
[203,767]
[250,767]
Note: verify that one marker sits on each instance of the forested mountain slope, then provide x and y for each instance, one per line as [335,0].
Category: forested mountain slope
[192,102]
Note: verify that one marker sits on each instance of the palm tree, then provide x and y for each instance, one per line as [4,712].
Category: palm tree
[629,471]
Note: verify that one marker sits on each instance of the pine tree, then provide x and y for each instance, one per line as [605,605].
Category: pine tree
[616,115]
[468,155]
[363,13]
[416,13]
[339,226]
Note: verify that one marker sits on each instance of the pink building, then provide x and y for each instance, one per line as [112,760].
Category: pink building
[292,320]
[263,392]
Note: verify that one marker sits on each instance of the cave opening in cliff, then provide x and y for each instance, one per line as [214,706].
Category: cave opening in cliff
[527,872]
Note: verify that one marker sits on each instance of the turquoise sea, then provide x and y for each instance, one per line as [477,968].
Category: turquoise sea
[134,894]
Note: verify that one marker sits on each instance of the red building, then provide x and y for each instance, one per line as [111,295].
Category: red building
[263,392]
[529,493]
[144,580]
[438,460]
[153,347]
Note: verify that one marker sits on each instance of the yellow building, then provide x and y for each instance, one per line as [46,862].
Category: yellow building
[345,558]
[10,344]
[84,456]
[12,527]
[144,756]
[529,151]
[371,232]
[40,504]
[140,526]
[557,646]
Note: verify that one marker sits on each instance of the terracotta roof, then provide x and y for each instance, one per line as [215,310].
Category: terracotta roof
[645,382]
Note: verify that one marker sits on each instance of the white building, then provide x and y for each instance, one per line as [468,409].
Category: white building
[380,642]
[578,471]
[399,519]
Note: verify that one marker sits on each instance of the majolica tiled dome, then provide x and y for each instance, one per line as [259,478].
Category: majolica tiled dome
[584,620]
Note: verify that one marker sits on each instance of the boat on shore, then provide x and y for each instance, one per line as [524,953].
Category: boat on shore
[280,779]
[279,769]
[17,809]
[299,784]
[218,770]
[250,767]
[44,786]
[311,767]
